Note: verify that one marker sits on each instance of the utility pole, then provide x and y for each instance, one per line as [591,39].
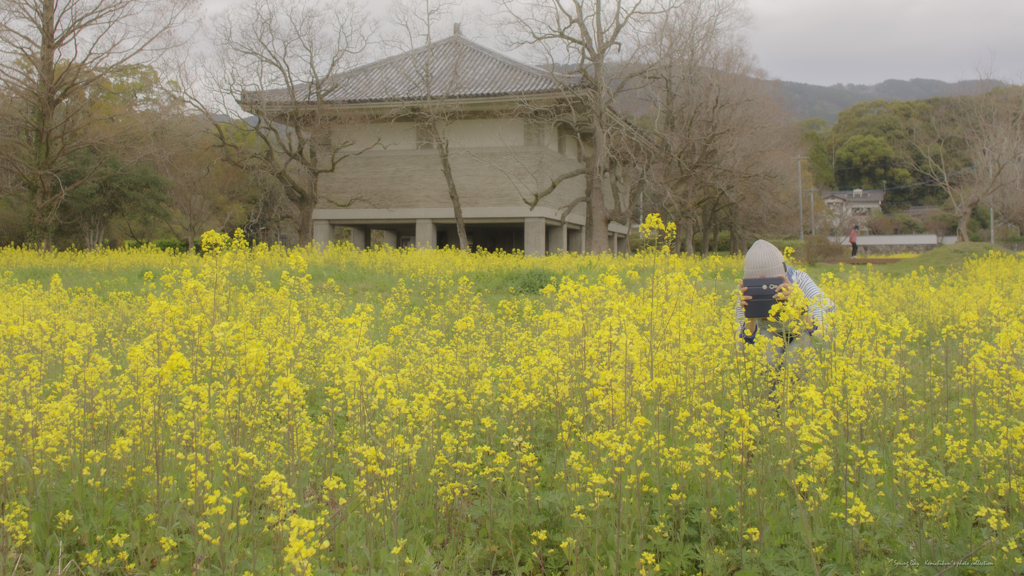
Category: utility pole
[800,189]
[991,211]
[814,192]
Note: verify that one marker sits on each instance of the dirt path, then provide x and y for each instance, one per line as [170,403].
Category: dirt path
[868,260]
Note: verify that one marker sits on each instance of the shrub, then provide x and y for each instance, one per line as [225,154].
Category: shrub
[14,222]
[172,244]
[942,224]
[782,244]
[821,249]
[882,224]
[906,224]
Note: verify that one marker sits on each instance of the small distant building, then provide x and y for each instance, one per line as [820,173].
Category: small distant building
[853,203]
[850,207]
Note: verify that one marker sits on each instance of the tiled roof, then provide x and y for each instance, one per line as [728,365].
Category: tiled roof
[456,68]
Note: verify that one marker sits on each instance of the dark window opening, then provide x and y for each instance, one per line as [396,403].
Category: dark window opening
[533,133]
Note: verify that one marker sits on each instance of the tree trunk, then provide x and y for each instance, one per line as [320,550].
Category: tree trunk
[596,238]
[46,70]
[600,220]
[94,233]
[714,237]
[453,193]
[305,222]
[963,218]
[705,229]
[597,212]
[689,236]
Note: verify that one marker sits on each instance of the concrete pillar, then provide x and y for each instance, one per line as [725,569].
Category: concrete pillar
[624,244]
[390,238]
[574,241]
[426,233]
[613,243]
[359,237]
[557,239]
[323,233]
[534,236]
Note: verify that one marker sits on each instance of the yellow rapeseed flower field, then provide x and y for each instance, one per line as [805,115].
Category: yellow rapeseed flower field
[271,411]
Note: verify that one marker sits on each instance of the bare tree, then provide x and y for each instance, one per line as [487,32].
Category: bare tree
[1009,204]
[599,40]
[717,121]
[971,147]
[418,22]
[278,60]
[203,190]
[266,212]
[53,55]
[632,167]
[691,45]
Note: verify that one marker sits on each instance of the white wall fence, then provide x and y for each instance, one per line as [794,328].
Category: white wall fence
[897,240]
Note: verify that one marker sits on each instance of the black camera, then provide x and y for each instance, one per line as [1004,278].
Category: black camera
[762,292]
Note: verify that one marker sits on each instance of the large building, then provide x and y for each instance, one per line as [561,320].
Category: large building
[509,136]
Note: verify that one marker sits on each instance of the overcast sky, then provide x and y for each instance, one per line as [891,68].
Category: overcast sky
[826,42]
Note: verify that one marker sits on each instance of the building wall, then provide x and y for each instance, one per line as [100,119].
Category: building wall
[491,165]
[473,133]
[393,135]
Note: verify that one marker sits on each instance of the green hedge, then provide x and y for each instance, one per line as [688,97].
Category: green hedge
[172,244]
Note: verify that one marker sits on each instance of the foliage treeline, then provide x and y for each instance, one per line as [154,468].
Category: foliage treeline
[959,154]
[149,171]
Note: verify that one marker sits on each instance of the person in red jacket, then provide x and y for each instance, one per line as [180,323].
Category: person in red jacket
[853,239]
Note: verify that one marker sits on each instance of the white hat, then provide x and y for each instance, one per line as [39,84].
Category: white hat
[763,259]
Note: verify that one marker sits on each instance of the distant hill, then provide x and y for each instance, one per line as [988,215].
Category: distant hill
[809,101]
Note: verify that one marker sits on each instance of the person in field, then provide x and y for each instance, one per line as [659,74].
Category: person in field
[803,314]
[853,240]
